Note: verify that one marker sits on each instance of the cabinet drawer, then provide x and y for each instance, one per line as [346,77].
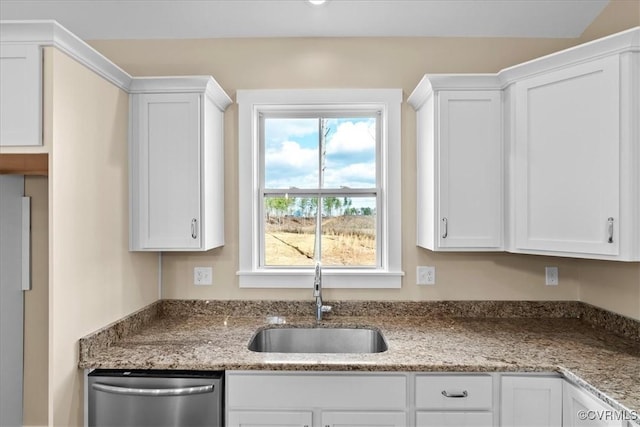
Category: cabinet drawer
[269,419]
[454,419]
[454,392]
[364,419]
[301,391]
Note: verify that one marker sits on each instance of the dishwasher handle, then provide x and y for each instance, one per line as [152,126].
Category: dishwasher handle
[131,391]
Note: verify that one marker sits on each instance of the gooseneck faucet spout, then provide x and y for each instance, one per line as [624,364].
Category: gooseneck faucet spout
[317,293]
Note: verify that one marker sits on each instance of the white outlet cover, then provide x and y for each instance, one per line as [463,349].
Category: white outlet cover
[203,276]
[551,276]
[426,275]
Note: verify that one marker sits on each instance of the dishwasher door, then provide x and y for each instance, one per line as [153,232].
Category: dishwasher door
[143,398]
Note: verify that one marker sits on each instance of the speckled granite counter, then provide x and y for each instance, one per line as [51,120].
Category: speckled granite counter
[429,337]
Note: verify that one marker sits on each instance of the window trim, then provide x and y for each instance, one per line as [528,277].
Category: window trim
[250,104]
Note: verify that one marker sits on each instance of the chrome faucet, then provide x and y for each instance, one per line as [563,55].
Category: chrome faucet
[317,292]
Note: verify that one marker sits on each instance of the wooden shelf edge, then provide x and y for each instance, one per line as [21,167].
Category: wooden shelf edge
[24,164]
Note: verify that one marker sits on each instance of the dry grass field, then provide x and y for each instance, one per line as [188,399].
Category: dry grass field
[346,240]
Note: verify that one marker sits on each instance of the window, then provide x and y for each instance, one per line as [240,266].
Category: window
[319,180]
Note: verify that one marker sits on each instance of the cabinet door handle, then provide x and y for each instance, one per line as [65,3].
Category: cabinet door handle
[610,221]
[464,394]
[194,228]
[445,228]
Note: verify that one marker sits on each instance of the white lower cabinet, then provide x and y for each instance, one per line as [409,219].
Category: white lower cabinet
[582,409]
[454,400]
[268,419]
[454,419]
[399,399]
[332,399]
[530,401]
[363,419]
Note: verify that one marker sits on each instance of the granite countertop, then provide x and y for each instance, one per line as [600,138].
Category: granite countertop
[197,336]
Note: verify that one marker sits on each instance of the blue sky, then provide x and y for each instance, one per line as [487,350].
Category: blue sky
[291,153]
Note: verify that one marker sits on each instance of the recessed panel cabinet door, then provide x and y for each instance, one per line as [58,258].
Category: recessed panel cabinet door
[169,176]
[20,95]
[529,401]
[567,157]
[470,170]
[583,410]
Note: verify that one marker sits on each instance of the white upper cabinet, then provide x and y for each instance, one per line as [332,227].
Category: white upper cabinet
[177,164]
[459,163]
[575,153]
[20,94]
[567,160]
[571,155]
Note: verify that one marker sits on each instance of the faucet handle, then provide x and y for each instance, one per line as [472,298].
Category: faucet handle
[326,308]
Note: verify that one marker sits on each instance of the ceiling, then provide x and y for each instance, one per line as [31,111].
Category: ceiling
[152,19]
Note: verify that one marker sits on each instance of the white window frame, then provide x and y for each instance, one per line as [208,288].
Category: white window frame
[250,104]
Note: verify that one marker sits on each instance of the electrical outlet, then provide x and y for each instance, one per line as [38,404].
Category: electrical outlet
[203,276]
[426,275]
[551,276]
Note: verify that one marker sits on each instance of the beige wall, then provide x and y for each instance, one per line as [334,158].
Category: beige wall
[36,307]
[617,16]
[376,63]
[94,279]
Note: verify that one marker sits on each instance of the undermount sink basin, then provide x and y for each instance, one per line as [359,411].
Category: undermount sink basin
[318,340]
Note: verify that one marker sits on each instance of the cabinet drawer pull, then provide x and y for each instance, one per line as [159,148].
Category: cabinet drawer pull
[610,221]
[194,228]
[464,394]
[445,228]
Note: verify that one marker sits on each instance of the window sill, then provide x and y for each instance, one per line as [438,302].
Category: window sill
[337,279]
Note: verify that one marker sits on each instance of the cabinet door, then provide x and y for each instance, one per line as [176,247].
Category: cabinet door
[454,419]
[20,95]
[470,169]
[364,419]
[169,171]
[531,402]
[580,409]
[268,419]
[567,157]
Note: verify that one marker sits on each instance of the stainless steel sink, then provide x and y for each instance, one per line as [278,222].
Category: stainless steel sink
[318,340]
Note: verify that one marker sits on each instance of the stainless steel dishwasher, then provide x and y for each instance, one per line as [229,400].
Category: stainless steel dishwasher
[140,398]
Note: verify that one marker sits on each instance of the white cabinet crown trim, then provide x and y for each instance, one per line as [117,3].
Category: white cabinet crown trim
[431,83]
[625,41]
[182,84]
[50,33]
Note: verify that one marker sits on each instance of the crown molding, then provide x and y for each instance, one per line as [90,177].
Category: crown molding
[436,82]
[50,33]
[182,84]
[625,41]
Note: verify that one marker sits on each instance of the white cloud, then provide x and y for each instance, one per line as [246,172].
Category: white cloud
[356,175]
[352,137]
[279,129]
[350,155]
[290,165]
[291,155]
